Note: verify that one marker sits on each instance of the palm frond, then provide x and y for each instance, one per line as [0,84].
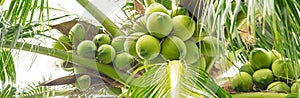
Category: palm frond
[175,80]
[7,67]
[7,92]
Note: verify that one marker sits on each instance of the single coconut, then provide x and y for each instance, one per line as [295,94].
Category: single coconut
[173,48]
[123,61]
[263,77]
[260,58]
[192,53]
[101,39]
[184,27]
[279,87]
[106,53]
[242,82]
[159,24]
[87,49]
[247,67]
[155,7]
[77,34]
[118,43]
[130,43]
[83,82]
[283,68]
[148,47]
[211,46]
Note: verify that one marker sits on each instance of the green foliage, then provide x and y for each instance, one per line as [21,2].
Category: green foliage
[7,67]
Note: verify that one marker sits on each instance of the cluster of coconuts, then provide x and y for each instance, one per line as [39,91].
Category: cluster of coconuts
[266,70]
[163,35]
[159,36]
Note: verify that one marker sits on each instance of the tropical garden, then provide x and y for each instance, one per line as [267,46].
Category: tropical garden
[156,48]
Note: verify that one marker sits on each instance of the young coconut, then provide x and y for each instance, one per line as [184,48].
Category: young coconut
[263,77]
[211,46]
[247,67]
[106,53]
[173,48]
[155,7]
[192,53]
[295,87]
[87,49]
[279,87]
[118,43]
[77,34]
[159,24]
[147,47]
[123,61]
[83,82]
[283,68]
[130,43]
[242,82]
[260,58]
[184,27]
[101,39]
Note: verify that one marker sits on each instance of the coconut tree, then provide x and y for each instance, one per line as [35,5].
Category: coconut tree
[239,25]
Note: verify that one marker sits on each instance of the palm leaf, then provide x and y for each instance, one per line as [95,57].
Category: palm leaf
[7,67]
[175,80]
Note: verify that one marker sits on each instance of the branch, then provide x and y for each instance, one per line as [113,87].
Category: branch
[102,18]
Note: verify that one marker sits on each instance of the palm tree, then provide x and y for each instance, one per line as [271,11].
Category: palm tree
[240,24]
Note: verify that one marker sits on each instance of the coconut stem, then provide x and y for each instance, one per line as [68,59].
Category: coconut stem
[105,69]
[112,28]
[149,2]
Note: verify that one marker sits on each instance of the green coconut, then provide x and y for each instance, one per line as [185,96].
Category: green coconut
[77,34]
[148,47]
[211,46]
[118,43]
[241,82]
[156,7]
[192,53]
[279,87]
[295,87]
[159,24]
[283,68]
[260,58]
[106,53]
[173,48]
[247,67]
[130,43]
[87,49]
[83,82]
[101,39]
[123,61]
[184,27]
[262,78]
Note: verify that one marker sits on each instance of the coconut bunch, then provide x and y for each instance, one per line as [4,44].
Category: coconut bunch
[266,70]
[161,35]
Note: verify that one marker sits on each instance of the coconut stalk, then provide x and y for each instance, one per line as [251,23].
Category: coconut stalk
[263,95]
[112,28]
[88,63]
